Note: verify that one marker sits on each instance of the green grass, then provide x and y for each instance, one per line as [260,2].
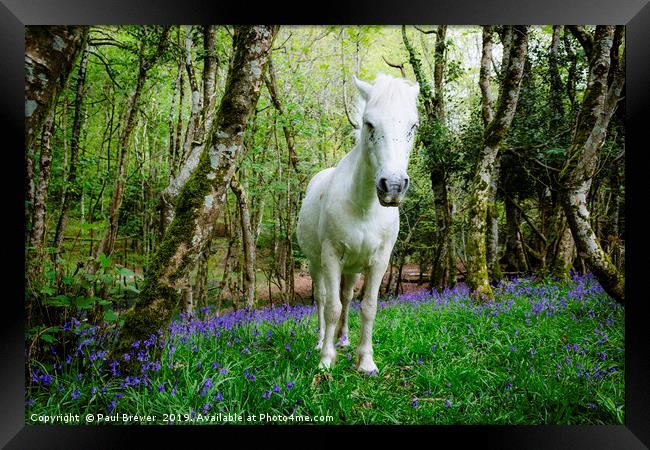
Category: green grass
[441,359]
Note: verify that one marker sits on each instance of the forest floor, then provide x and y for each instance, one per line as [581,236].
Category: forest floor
[542,352]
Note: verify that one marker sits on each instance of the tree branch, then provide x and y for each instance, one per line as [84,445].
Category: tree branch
[424,31]
[583,37]
[396,66]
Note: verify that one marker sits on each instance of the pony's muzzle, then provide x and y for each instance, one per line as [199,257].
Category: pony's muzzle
[391,189]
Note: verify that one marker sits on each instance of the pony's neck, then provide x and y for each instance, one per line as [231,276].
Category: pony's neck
[362,183]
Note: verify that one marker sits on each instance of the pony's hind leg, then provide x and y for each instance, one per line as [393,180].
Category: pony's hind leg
[319,295]
[347,291]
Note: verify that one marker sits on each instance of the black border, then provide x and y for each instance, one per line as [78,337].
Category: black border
[14,14]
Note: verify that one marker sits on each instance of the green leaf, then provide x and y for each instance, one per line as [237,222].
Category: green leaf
[47,338]
[67,280]
[108,279]
[58,301]
[47,290]
[104,260]
[132,288]
[110,315]
[123,271]
[85,302]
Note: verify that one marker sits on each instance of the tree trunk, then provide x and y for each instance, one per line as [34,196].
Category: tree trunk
[598,105]
[515,257]
[200,286]
[438,71]
[193,132]
[202,196]
[192,149]
[50,52]
[70,192]
[210,66]
[40,197]
[492,223]
[496,128]
[443,270]
[555,94]
[247,243]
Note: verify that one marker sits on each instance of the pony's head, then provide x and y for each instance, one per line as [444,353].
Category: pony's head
[389,120]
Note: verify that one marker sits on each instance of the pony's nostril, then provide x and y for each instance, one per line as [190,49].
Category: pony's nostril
[406,184]
[383,184]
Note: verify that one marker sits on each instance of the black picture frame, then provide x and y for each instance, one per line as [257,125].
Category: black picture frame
[635,14]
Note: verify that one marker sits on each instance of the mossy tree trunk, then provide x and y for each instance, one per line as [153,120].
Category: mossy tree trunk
[498,124]
[201,197]
[197,126]
[604,84]
[492,225]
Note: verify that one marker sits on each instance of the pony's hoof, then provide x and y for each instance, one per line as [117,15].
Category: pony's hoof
[325,365]
[368,367]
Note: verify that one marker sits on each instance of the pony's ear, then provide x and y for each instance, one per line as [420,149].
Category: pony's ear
[363,87]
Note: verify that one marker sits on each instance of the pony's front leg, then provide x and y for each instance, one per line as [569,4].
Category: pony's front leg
[347,291]
[331,278]
[365,363]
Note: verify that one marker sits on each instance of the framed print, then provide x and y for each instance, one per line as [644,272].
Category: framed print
[377,218]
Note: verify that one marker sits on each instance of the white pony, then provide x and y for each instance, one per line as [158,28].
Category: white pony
[348,221]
